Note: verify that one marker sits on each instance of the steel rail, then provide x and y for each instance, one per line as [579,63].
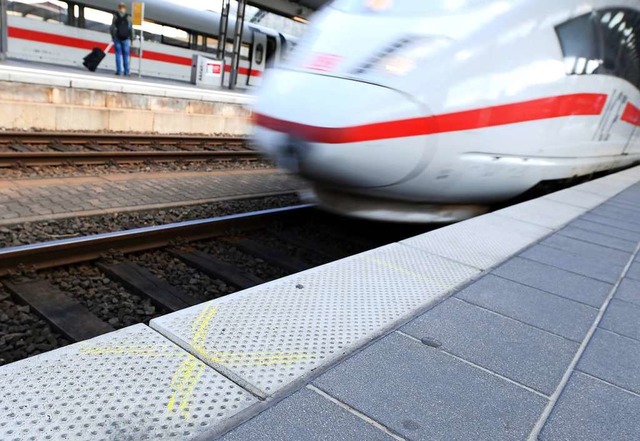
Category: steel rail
[110,138]
[84,249]
[9,159]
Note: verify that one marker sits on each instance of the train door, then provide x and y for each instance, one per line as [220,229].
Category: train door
[258,59]
[272,51]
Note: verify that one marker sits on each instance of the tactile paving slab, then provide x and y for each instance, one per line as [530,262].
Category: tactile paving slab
[610,185]
[128,385]
[482,242]
[577,198]
[543,212]
[270,336]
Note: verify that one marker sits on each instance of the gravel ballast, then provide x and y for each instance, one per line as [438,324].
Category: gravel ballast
[44,231]
[69,171]
[107,300]
[191,281]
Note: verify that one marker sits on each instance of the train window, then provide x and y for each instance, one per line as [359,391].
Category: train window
[166,34]
[245,50]
[619,29]
[259,54]
[603,43]
[580,45]
[97,20]
[50,11]
[212,45]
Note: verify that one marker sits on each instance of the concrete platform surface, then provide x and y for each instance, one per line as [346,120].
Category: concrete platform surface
[53,98]
[29,200]
[459,334]
[55,75]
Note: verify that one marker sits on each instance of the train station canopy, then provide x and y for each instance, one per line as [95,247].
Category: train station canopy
[289,8]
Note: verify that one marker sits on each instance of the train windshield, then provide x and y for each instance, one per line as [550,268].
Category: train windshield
[404,7]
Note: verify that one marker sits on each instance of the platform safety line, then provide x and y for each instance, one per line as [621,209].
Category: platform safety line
[409,272]
[395,267]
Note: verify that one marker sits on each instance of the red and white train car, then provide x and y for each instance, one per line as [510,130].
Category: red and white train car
[433,110]
[64,31]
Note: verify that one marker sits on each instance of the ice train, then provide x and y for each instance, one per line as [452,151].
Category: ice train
[431,111]
[63,31]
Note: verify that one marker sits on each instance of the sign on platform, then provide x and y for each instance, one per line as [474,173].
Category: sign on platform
[206,72]
[137,16]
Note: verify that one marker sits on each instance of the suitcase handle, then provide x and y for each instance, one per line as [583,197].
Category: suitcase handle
[109,46]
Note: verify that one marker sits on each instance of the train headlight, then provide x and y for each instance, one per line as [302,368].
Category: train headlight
[405,55]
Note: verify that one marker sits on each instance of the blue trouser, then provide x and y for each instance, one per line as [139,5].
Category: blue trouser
[123,51]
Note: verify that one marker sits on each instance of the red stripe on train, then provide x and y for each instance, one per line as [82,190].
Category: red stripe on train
[79,43]
[631,115]
[545,108]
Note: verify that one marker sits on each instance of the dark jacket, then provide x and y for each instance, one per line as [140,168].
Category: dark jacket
[114,29]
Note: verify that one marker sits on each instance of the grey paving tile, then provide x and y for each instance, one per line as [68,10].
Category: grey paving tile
[599,239]
[590,410]
[613,358]
[621,204]
[538,308]
[618,223]
[617,212]
[424,394]
[593,267]
[554,280]
[634,270]
[510,348]
[306,416]
[629,291]
[587,250]
[622,318]
[606,230]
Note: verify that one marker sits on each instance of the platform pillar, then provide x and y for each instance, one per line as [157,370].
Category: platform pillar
[4,34]
[222,36]
[237,44]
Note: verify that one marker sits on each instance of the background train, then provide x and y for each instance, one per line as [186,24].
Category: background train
[63,32]
[432,111]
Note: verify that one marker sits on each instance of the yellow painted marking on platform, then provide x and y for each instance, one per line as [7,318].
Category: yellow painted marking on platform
[403,270]
[184,381]
[395,267]
[186,377]
[191,369]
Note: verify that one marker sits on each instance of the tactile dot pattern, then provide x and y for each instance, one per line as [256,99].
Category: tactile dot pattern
[129,385]
[577,198]
[482,242]
[543,212]
[274,334]
[608,186]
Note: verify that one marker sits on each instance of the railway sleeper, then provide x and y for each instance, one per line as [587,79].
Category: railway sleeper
[64,314]
[216,268]
[143,282]
[269,255]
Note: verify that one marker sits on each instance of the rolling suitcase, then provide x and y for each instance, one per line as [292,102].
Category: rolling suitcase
[95,57]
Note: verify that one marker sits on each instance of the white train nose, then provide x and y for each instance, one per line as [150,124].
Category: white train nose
[340,131]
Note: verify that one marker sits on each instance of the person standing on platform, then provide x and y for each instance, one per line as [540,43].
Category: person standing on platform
[122,32]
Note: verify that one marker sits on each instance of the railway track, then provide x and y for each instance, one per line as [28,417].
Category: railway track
[57,280]
[47,148]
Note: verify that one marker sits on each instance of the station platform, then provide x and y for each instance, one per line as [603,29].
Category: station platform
[521,324]
[30,200]
[36,96]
